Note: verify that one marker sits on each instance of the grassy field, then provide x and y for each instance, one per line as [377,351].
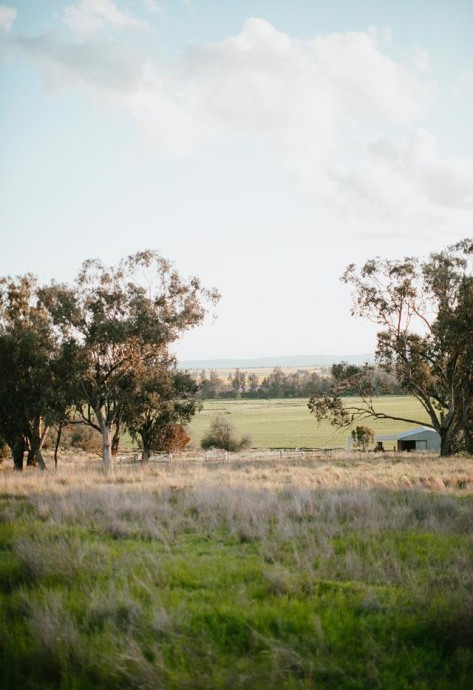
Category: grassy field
[288,423]
[326,573]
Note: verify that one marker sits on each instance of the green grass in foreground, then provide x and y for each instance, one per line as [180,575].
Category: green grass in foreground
[287,423]
[236,588]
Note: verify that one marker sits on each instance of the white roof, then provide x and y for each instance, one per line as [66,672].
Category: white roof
[417,430]
[404,434]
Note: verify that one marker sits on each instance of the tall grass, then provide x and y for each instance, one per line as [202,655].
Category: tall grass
[251,573]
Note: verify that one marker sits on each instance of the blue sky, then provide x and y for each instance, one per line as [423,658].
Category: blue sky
[262,145]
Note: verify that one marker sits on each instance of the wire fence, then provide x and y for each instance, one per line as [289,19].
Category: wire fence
[218,455]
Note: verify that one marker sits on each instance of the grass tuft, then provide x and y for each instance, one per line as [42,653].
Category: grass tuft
[229,575]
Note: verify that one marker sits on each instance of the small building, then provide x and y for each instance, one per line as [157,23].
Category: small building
[420,438]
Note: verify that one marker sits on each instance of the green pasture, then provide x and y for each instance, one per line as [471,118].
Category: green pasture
[288,424]
[215,589]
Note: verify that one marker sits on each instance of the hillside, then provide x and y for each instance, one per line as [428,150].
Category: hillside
[271,362]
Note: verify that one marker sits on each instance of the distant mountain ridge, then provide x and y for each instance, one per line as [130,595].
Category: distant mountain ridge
[271,362]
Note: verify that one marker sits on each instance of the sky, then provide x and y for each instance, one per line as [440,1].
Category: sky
[261,145]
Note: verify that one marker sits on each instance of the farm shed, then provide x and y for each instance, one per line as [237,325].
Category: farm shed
[420,438]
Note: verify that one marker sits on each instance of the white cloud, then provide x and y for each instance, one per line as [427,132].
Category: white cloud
[325,105]
[7,17]
[407,179]
[421,59]
[105,70]
[368,79]
[88,16]
[260,82]
[153,7]
[464,83]
[188,4]
[296,94]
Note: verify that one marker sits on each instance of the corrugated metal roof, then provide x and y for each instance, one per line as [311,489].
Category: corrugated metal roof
[404,434]
[417,430]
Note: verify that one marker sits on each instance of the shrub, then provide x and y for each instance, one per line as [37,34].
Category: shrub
[175,438]
[4,451]
[81,437]
[222,434]
[362,437]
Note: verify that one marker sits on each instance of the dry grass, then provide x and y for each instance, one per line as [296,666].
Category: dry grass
[273,470]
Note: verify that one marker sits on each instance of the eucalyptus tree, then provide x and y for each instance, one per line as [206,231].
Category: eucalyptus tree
[30,390]
[425,312]
[114,319]
[238,382]
[163,400]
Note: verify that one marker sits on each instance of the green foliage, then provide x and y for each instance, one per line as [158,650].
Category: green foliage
[32,394]
[277,384]
[257,384]
[425,311]
[363,437]
[161,401]
[222,434]
[86,350]
[236,588]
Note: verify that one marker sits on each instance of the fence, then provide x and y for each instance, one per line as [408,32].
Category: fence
[217,455]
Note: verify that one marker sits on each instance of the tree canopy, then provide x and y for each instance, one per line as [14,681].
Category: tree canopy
[86,345]
[424,308]
[163,400]
[32,394]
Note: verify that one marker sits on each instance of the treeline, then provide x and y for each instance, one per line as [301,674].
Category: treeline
[96,354]
[278,384]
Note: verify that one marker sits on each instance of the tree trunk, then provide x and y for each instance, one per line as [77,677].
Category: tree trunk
[41,463]
[116,439]
[56,447]
[30,459]
[107,458]
[36,450]
[36,437]
[446,442]
[18,451]
[468,428]
[469,439]
[146,444]
[105,430]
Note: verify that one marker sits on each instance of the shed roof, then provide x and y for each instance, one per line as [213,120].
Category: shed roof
[414,432]
[404,434]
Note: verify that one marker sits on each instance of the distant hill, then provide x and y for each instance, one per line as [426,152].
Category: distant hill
[301,361]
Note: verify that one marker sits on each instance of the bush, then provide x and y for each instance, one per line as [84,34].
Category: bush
[4,451]
[79,436]
[362,437]
[174,438]
[222,434]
